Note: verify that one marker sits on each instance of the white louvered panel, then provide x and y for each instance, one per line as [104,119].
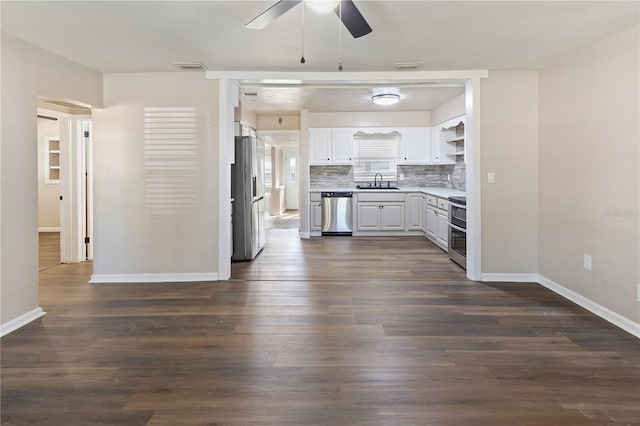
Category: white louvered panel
[171,160]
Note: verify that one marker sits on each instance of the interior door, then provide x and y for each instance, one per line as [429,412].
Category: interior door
[291,179]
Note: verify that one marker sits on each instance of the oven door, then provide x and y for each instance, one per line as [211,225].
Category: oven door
[458,215]
[458,245]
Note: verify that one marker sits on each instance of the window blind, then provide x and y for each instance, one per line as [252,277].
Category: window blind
[375,153]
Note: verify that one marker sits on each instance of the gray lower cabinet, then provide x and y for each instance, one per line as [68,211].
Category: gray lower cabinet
[315,212]
[380,216]
[414,220]
[437,221]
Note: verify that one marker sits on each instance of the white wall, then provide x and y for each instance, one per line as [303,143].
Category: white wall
[589,181]
[450,109]
[135,238]
[48,193]
[370,119]
[509,135]
[28,71]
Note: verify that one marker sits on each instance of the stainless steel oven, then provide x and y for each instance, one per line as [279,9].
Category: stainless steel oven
[458,230]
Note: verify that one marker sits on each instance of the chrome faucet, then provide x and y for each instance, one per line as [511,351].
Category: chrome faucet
[375,179]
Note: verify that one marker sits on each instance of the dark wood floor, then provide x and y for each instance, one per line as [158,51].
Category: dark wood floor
[286,220]
[327,331]
[49,249]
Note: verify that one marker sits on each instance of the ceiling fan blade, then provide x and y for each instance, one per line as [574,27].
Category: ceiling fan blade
[353,19]
[271,14]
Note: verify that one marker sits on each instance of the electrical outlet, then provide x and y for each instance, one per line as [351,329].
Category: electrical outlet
[586,262]
[491,177]
[401,176]
[449,177]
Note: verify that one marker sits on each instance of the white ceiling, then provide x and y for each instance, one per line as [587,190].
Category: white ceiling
[348,99]
[137,36]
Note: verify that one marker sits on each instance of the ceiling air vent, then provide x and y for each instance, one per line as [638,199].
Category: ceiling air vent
[407,66]
[190,66]
[251,94]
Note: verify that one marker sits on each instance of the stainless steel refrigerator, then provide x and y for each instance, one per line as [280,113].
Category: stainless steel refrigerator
[247,190]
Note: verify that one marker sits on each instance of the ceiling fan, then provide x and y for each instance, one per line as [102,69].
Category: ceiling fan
[345,9]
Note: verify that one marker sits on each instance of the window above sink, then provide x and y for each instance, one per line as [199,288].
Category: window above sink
[375,153]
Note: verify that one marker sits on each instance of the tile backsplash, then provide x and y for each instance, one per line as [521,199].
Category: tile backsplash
[342,176]
[331,177]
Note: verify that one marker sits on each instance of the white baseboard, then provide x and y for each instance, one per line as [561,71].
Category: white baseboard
[153,278]
[21,321]
[604,313]
[48,229]
[305,235]
[511,278]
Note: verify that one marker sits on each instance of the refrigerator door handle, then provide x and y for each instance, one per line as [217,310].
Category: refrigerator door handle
[254,186]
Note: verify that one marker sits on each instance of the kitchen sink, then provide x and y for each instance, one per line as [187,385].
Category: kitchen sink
[376,187]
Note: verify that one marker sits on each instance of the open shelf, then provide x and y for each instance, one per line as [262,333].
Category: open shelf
[455,139]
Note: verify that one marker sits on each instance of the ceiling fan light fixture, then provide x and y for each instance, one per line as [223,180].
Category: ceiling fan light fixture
[385,98]
[322,6]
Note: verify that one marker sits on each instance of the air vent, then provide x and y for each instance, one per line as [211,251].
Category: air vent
[190,66]
[407,66]
[251,94]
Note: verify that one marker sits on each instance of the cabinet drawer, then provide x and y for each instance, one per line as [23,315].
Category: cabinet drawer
[314,196]
[443,204]
[432,201]
[380,196]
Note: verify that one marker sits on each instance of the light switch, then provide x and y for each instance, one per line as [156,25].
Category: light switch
[491,177]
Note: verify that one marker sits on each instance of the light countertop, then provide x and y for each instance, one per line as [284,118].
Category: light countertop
[431,190]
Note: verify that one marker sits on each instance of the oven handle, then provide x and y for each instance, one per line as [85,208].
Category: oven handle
[457,228]
[460,206]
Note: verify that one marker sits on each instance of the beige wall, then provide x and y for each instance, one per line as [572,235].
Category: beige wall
[450,109]
[589,181]
[509,135]
[48,193]
[131,235]
[370,119]
[28,71]
[273,122]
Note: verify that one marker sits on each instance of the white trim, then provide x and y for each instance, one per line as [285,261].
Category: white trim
[616,319]
[21,321]
[48,229]
[474,179]
[511,278]
[302,78]
[153,278]
[305,235]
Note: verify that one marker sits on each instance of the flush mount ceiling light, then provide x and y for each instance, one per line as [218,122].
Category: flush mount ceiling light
[385,98]
[322,6]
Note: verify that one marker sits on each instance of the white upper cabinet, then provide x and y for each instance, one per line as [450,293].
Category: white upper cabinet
[414,147]
[342,146]
[319,146]
[436,149]
[331,146]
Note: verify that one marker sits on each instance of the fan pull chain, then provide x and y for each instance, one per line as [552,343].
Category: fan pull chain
[302,60]
[340,35]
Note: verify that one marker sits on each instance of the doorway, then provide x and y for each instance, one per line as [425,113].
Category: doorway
[230,81]
[291,178]
[48,163]
[65,187]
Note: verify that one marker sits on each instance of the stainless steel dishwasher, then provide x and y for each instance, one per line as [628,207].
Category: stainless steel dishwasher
[337,213]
